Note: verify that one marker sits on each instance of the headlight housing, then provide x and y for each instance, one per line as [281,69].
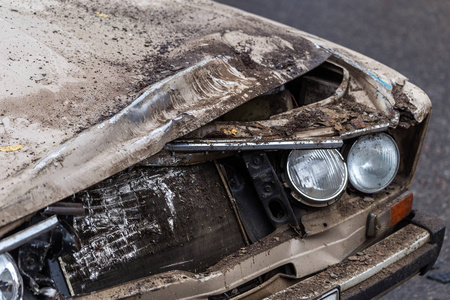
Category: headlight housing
[373,162]
[11,285]
[318,176]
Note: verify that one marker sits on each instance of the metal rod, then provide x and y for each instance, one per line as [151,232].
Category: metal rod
[22,237]
[252,144]
[66,209]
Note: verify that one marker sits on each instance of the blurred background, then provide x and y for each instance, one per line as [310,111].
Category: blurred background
[412,37]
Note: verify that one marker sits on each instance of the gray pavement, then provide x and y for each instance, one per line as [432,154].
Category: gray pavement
[413,37]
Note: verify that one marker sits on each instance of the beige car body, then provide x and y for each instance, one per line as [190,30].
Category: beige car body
[91,88]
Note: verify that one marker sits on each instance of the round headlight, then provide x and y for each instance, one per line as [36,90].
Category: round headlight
[11,286]
[319,176]
[373,162]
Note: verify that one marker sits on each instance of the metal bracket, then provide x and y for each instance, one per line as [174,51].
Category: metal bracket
[269,189]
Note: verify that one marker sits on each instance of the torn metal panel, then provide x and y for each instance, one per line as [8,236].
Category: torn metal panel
[412,103]
[349,112]
[151,220]
[379,80]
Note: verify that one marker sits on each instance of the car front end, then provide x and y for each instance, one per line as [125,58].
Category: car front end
[252,161]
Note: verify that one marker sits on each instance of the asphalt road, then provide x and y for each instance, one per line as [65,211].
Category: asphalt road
[413,37]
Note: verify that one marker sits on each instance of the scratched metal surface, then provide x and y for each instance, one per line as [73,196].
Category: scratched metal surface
[150,220]
[184,83]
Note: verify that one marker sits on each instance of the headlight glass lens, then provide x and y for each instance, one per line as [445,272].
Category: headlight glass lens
[11,286]
[319,176]
[373,162]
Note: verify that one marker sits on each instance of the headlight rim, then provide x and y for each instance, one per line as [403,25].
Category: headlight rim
[397,167]
[312,201]
[16,275]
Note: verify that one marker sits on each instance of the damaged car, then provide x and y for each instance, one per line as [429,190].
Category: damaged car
[188,150]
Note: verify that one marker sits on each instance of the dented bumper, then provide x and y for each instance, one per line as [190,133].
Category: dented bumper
[364,274]
[379,268]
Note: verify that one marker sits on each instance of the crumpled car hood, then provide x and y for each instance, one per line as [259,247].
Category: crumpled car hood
[74,109]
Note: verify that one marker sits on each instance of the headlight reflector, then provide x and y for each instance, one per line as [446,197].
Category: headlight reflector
[373,162]
[11,285]
[319,176]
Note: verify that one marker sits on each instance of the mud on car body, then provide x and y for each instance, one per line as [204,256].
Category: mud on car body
[187,150]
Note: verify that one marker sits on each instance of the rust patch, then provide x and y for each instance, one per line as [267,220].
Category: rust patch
[358,124]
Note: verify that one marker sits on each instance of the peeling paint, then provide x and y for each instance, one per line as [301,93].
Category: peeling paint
[129,223]
[147,219]
[157,183]
[384,83]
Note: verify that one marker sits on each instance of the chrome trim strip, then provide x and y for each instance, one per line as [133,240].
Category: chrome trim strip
[22,237]
[252,144]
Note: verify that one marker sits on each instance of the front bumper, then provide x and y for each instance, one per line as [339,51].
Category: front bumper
[379,268]
[369,273]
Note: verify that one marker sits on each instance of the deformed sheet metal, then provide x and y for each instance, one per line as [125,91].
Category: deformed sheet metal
[69,84]
[165,111]
[380,80]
